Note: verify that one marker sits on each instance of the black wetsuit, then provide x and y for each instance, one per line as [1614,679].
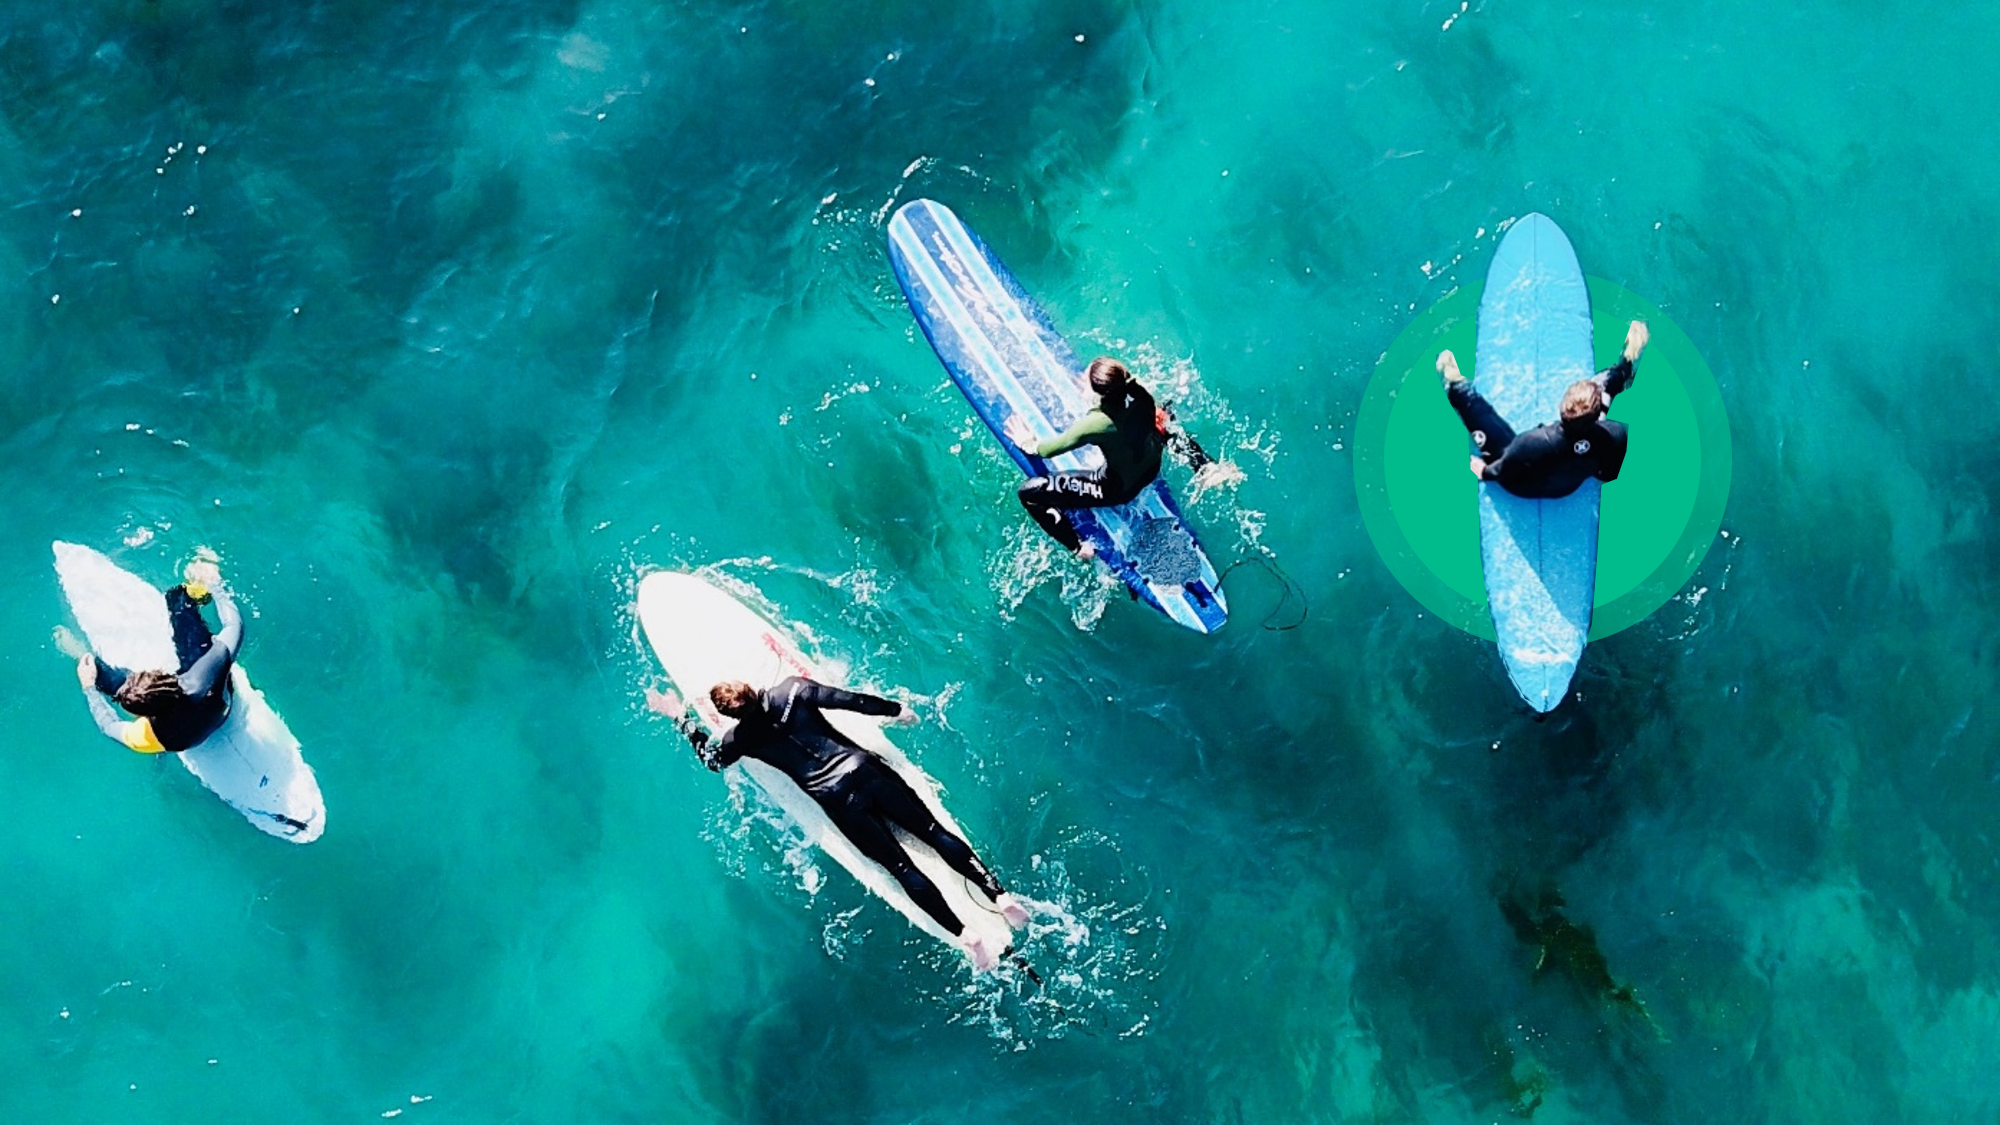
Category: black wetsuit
[861,794]
[1126,429]
[1550,461]
[205,660]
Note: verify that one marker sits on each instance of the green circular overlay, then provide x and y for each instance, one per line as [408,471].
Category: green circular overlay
[1420,503]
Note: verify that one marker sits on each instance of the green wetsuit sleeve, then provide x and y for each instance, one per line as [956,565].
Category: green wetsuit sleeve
[1092,425]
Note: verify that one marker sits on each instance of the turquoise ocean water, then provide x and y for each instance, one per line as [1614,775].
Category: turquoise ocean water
[443,322]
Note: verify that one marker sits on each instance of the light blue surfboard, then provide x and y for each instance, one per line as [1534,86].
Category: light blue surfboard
[1003,353]
[1540,555]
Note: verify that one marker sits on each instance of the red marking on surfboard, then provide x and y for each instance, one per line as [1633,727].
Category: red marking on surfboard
[784,654]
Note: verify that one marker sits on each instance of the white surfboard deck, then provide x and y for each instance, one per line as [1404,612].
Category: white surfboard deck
[703,636]
[251,761]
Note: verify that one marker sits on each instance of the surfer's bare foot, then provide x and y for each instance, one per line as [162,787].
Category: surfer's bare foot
[1479,468]
[1448,367]
[1635,340]
[983,959]
[1086,551]
[1012,910]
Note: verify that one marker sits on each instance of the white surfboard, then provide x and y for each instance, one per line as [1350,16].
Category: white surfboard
[704,636]
[251,761]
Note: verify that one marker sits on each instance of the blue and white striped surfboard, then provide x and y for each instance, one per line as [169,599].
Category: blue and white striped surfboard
[1540,555]
[1001,350]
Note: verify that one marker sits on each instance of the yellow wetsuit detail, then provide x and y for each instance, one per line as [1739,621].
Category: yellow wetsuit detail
[139,736]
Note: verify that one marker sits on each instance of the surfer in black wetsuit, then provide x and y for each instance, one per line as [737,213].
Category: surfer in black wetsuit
[1128,428]
[1553,460]
[784,727]
[174,711]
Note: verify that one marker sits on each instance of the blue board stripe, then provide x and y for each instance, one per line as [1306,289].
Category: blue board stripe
[1058,362]
[1003,378]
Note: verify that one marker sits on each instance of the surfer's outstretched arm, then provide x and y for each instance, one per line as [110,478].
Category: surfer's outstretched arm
[92,675]
[1186,450]
[201,676]
[669,706]
[107,678]
[108,721]
[826,696]
[231,617]
[1094,425]
[1617,378]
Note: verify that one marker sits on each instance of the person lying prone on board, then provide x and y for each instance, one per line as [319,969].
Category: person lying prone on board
[1130,430]
[1553,460]
[174,710]
[784,726]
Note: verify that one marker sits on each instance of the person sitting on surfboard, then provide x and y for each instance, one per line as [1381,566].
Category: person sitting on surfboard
[1128,427]
[175,710]
[865,798]
[1553,460]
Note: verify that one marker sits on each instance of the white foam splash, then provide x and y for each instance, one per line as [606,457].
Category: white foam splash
[840,934]
[1097,957]
[1695,619]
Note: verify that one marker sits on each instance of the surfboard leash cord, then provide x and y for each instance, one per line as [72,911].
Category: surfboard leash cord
[1293,591]
[975,894]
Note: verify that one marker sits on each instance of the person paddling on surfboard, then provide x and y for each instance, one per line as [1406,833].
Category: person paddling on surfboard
[1553,460]
[1128,428]
[174,710]
[865,798]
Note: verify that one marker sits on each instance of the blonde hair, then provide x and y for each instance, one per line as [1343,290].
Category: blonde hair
[1583,399]
[733,698]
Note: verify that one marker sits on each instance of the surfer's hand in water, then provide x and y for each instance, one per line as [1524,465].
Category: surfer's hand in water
[664,703]
[69,644]
[86,671]
[1479,468]
[1086,550]
[907,717]
[203,572]
[1216,474]
[1635,340]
